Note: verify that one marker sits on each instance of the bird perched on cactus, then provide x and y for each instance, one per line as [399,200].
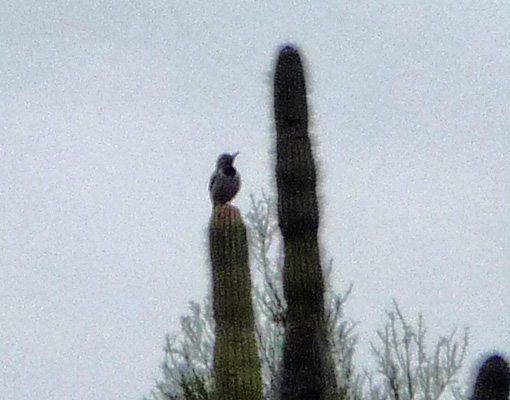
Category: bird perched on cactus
[225,181]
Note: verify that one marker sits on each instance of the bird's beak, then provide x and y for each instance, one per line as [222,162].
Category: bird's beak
[234,155]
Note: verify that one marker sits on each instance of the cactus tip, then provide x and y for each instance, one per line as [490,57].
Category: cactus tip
[493,380]
[288,52]
[288,48]
[227,210]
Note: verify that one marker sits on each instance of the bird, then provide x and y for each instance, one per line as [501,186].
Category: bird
[225,181]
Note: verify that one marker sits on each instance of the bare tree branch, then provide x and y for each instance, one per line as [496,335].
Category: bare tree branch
[407,371]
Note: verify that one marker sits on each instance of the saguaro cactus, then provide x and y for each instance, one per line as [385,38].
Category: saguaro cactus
[493,380]
[236,365]
[308,371]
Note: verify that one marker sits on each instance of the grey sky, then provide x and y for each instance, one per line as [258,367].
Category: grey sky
[113,114]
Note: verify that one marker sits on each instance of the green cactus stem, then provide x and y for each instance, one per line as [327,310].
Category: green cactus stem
[236,369]
[308,371]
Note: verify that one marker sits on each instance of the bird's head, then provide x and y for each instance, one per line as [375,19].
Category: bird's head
[226,160]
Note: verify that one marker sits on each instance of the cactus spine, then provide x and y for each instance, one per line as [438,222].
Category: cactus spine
[308,371]
[236,365]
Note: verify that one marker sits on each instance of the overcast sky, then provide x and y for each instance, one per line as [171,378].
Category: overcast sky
[113,115]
